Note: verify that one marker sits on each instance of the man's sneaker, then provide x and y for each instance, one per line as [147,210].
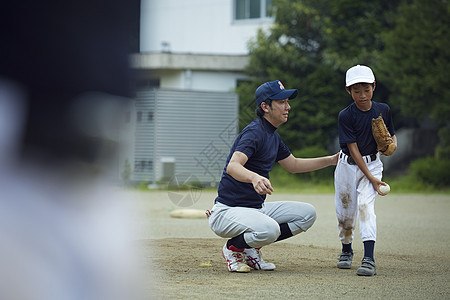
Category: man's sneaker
[368,267]
[253,259]
[235,260]
[345,260]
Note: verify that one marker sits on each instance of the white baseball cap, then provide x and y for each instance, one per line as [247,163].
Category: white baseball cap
[359,74]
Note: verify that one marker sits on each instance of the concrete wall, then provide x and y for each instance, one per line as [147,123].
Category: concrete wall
[195,26]
[192,71]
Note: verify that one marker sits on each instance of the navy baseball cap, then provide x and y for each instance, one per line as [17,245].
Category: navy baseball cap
[273,90]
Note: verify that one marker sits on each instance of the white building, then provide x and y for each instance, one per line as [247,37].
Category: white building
[192,56]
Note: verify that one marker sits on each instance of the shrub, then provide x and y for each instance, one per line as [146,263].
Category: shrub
[430,170]
[315,176]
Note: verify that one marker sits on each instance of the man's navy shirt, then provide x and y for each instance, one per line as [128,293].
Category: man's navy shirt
[355,125]
[263,147]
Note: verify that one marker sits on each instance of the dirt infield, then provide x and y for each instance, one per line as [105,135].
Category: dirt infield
[412,253]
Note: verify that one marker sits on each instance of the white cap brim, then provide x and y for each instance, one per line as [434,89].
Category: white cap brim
[360,80]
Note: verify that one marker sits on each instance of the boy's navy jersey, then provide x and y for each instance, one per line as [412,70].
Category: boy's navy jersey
[355,125]
[263,147]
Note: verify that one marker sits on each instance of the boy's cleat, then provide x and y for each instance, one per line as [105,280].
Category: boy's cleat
[345,260]
[368,267]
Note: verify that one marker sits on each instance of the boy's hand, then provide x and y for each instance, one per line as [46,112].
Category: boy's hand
[376,183]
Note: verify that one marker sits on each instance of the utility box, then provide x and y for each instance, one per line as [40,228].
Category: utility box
[167,168]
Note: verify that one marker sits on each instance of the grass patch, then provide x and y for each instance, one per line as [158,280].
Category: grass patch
[296,186]
[284,182]
[408,184]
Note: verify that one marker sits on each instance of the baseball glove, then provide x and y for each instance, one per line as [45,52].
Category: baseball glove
[385,143]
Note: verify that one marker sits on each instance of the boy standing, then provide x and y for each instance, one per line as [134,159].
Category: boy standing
[359,170]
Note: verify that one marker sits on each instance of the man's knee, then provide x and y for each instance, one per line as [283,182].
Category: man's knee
[268,233]
[310,217]
[307,217]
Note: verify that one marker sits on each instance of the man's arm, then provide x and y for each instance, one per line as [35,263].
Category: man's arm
[237,170]
[302,165]
[357,157]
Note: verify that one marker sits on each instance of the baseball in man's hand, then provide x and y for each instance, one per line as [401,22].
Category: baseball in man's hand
[385,188]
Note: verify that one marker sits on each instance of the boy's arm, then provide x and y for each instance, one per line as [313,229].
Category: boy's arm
[302,165]
[236,169]
[357,157]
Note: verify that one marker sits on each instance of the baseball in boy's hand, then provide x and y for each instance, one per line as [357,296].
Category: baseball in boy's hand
[385,188]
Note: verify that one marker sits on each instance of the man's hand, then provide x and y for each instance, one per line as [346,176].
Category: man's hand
[262,185]
[237,170]
[334,159]
[303,165]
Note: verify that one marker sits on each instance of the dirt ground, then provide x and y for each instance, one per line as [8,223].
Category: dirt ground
[412,252]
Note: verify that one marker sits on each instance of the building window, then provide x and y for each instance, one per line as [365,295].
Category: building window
[143,165]
[139,116]
[137,166]
[142,84]
[150,116]
[251,9]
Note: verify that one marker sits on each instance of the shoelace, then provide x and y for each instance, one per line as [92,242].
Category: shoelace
[366,262]
[258,252]
[256,259]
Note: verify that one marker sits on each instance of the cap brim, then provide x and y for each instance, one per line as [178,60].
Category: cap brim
[290,94]
[360,80]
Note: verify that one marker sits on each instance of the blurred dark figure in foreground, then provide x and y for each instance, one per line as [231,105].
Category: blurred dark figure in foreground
[64,83]
[57,51]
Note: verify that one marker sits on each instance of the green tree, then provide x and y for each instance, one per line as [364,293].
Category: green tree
[416,59]
[310,46]
[415,63]
[352,31]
